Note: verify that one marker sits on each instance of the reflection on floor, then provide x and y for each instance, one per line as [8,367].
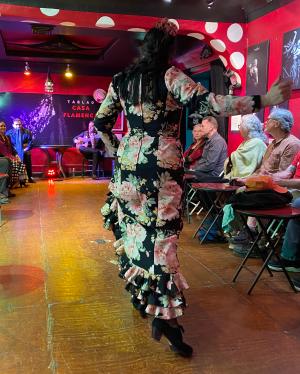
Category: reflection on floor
[63,308]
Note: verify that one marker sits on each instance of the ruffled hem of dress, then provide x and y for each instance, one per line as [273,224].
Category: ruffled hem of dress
[159,295]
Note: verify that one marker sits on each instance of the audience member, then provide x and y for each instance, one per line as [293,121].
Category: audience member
[284,147]
[21,139]
[214,153]
[18,173]
[91,146]
[248,157]
[195,150]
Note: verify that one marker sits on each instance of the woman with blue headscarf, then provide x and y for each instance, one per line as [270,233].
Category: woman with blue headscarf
[248,157]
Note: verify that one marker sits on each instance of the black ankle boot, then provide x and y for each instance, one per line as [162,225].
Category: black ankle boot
[138,306]
[173,334]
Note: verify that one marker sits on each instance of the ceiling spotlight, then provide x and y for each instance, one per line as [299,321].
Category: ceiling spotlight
[68,72]
[27,70]
[167,1]
[210,3]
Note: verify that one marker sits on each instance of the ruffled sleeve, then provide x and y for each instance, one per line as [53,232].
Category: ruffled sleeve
[204,103]
[106,117]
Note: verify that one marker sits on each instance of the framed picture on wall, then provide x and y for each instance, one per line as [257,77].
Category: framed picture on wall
[257,71]
[291,57]
[119,125]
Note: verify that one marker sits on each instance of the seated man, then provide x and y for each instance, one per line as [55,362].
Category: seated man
[214,152]
[91,146]
[210,165]
[284,147]
[21,140]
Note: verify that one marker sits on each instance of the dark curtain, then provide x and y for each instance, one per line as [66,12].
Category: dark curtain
[219,87]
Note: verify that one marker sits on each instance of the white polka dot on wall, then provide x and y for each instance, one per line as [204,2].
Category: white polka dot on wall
[175,22]
[68,24]
[196,35]
[235,32]
[105,21]
[237,60]
[218,45]
[211,27]
[223,59]
[49,12]
[136,29]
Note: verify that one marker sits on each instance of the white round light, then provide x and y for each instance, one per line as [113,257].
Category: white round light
[105,22]
[223,59]
[29,21]
[237,60]
[136,29]
[235,32]
[196,35]
[211,27]
[68,24]
[218,45]
[49,11]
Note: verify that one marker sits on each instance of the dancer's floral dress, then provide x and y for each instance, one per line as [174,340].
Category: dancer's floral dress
[147,187]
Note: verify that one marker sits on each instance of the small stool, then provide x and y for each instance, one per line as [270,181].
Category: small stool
[87,167]
[265,219]
[223,191]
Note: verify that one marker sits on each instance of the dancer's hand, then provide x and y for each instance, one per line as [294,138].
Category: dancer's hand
[279,92]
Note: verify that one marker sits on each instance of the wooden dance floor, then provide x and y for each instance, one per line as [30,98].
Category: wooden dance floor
[64,309]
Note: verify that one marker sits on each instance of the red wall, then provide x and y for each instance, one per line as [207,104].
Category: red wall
[272,27]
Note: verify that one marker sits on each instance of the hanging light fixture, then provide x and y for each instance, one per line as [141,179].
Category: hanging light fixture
[68,72]
[27,70]
[49,85]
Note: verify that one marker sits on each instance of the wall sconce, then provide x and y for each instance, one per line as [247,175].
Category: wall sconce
[68,72]
[27,70]
[49,85]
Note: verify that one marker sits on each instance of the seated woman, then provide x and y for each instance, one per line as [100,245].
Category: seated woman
[241,164]
[195,150]
[247,158]
[18,173]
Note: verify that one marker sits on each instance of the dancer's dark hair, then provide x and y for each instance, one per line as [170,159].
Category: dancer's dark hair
[144,79]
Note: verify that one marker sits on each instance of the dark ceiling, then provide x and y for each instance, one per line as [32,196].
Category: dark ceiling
[96,51]
[91,51]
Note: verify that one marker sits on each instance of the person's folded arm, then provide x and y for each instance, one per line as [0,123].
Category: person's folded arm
[289,183]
